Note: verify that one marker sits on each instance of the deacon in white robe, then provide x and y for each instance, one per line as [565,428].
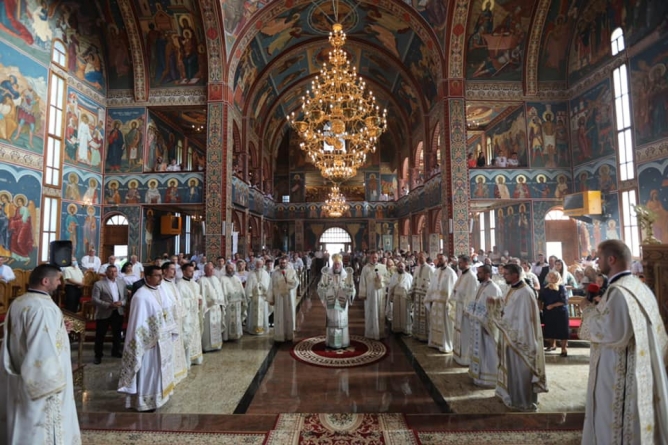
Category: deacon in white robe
[36,392]
[422,276]
[627,396]
[214,310]
[372,291]
[235,312]
[484,334]
[258,289]
[168,287]
[437,301]
[336,289]
[521,372]
[147,369]
[283,298]
[399,293]
[463,296]
[192,304]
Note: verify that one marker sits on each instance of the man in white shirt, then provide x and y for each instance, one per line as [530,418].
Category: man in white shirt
[73,277]
[91,261]
[137,267]
[6,272]
[103,268]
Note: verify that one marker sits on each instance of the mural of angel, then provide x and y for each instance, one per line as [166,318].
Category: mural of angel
[20,225]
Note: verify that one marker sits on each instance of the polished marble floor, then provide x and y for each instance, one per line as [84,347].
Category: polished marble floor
[260,379]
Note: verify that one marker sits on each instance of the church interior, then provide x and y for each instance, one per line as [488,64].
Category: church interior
[168,126]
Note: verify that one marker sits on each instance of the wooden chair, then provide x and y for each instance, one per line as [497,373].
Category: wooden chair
[574,316]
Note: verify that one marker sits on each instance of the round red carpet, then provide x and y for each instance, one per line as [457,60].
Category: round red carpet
[362,351]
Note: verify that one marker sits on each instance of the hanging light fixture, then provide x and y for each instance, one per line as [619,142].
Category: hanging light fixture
[339,122]
[335,206]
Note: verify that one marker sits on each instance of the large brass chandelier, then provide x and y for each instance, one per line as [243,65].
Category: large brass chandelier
[335,206]
[340,122]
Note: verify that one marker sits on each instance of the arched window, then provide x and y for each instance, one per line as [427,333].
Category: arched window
[617,40]
[419,164]
[336,240]
[556,215]
[117,220]
[59,53]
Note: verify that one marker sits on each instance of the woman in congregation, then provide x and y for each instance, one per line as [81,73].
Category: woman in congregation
[555,312]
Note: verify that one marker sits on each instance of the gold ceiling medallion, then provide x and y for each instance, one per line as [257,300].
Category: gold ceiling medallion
[335,206]
[339,122]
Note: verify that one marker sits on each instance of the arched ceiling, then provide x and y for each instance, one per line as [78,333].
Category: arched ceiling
[270,50]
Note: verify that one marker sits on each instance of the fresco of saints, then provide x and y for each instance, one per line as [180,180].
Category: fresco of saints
[562,187]
[133,141]
[480,187]
[521,189]
[133,196]
[193,195]
[90,197]
[153,194]
[20,225]
[72,227]
[501,189]
[115,144]
[172,193]
[72,188]
[90,229]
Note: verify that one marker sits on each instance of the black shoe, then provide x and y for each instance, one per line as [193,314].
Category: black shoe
[97,360]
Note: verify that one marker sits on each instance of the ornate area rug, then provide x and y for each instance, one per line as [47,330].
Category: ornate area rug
[341,429]
[548,437]
[118,437]
[362,351]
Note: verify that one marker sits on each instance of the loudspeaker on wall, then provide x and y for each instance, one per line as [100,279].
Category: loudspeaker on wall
[60,253]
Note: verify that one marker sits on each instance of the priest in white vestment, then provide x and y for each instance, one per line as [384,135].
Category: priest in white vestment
[168,287]
[147,369]
[399,293]
[521,373]
[36,391]
[213,311]
[463,296]
[484,334]
[336,289]
[235,312]
[192,304]
[627,394]
[283,298]
[372,290]
[437,301]
[258,288]
[422,276]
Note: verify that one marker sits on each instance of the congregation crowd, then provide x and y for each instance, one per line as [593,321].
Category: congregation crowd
[495,314]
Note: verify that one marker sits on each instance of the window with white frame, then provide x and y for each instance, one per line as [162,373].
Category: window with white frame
[50,220]
[492,229]
[630,227]
[53,154]
[187,234]
[481,224]
[177,239]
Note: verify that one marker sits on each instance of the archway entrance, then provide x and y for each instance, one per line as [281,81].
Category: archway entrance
[561,236]
[115,238]
[336,240]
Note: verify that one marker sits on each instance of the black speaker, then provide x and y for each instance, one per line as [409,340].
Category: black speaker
[60,253]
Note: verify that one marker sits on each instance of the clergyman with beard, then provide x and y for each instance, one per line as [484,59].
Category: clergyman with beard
[336,289]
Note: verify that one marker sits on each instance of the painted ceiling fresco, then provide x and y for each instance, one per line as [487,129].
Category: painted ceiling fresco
[480,114]
[496,38]
[389,51]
